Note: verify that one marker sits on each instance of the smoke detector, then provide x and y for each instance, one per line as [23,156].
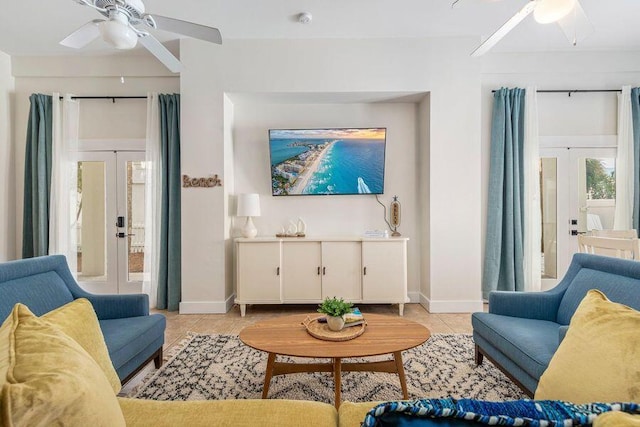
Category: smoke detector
[305,18]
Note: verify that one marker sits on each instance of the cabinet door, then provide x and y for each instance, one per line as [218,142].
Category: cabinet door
[301,269]
[384,271]
[259,272]
[341,277]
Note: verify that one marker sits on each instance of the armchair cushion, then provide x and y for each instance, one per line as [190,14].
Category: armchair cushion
[528,342]
[78,320]
[49,379]
[599,358]
[42,292]
[128,338]
[617,287]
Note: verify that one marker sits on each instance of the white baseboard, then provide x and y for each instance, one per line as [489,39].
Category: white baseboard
[444,306]
[414,297]
[207,307]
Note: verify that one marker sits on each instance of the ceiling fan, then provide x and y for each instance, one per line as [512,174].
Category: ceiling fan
[120,29]
[567,13]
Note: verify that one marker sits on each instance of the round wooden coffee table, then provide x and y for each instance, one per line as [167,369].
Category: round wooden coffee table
[287,336]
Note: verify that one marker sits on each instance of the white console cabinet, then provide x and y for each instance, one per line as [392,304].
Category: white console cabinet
[306,270]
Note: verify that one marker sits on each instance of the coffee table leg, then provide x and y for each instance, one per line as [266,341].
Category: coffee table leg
[400,368]
[268,374]
[337,373]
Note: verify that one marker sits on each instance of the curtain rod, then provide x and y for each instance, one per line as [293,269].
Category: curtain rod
[112,98]
[570,91]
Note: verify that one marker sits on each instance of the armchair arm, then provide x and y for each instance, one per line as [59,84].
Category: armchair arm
[119,306]
[562,332]
[529,305]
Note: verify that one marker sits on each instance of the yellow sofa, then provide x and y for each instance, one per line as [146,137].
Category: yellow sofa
[55,370]
[282,413]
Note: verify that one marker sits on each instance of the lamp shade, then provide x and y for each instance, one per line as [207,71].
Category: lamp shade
[248,205]
[118,33]
[549,11]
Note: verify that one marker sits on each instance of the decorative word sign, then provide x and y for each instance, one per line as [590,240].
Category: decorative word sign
[213,181]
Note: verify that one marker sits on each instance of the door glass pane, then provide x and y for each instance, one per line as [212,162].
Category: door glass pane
[135,217]
[91,226]
[597,194]
[549,205]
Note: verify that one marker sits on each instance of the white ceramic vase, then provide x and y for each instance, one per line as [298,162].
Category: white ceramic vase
[335,323]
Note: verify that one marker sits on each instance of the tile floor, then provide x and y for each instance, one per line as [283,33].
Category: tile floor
[178,325]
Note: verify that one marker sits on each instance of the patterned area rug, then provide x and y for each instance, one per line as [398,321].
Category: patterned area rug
[221,367]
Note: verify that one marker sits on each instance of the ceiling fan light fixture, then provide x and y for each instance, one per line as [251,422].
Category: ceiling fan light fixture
[548,11]
[118,34]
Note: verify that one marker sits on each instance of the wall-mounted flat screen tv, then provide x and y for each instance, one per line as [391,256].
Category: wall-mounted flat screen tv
[327,161]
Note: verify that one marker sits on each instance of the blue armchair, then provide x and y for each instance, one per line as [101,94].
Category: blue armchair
[133,337]
[523,330]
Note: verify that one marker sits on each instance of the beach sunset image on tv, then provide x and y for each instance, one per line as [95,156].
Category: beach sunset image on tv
[327,161]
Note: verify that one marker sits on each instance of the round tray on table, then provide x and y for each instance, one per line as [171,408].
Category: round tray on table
[322,331]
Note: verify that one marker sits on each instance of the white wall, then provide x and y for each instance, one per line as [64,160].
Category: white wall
[582,114]
[99,119]
[7,177]
[336,71]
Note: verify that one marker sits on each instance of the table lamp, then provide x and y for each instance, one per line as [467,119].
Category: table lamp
[249,206]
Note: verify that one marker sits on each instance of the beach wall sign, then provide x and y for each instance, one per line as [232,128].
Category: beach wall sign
[212,181]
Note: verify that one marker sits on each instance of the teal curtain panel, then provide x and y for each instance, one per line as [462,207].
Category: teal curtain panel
[170,275]
[635,112]
[504,248]
[37,177]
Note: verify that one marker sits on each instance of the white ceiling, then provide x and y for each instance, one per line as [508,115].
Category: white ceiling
[34,27]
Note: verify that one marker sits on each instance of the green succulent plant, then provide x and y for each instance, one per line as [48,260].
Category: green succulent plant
[335,307]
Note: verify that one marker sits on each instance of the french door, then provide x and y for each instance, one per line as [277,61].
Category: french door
[110,221]
[577,189]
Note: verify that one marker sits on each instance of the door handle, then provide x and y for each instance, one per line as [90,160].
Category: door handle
[122,235]
[576,232]
[120,222]
[324,271]
[318,271]
[278,271]
[365,271]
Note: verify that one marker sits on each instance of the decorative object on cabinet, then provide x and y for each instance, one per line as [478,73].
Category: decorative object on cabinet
[302,228]
[249,206]
[292,229]
[395,216]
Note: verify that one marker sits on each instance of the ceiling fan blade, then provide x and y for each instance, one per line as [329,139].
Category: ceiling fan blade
[576,25]
[504,30]
[190,29]
[83,35]
[162,53]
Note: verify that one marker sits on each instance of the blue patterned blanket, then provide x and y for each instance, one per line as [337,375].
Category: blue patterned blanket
[534,413]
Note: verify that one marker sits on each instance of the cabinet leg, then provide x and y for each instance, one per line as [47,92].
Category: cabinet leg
[401,309]
[243,309]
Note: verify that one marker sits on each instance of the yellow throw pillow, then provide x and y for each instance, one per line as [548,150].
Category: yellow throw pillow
[599,359]
[78,320]
[617,419]
[50,379]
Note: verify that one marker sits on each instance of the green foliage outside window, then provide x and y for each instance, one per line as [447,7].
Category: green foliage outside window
[600,183]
